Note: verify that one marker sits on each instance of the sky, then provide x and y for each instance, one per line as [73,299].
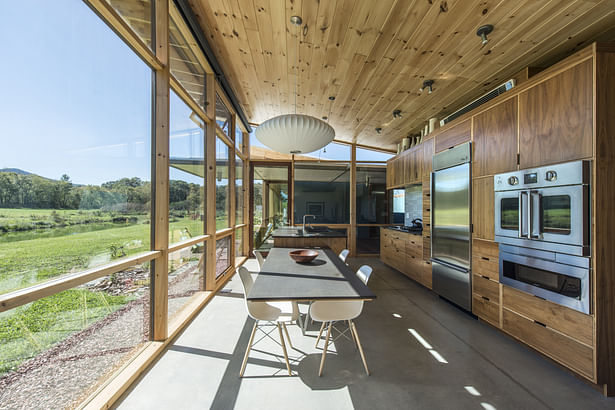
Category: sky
[76,99]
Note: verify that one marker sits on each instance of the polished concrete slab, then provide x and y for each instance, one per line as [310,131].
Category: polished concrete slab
[422,353]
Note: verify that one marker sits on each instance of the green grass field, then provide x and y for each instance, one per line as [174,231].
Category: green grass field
[31,329]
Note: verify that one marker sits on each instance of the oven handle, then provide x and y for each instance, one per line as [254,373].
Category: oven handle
[521,193]
[540,214]
[530,214]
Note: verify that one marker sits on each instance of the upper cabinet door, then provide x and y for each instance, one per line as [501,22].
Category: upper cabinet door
[454,135]
[555,118]
[427,157]
[495,139]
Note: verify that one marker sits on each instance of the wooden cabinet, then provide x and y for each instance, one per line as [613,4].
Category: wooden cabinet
[406,168]
[426,218]
[495,139]
[561,333]
[486,300]
[427,157]
[404,252]
[483,208]
[486,259]
[555,118]
[453,135]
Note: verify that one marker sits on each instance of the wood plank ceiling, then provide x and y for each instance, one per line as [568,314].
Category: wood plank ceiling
[373,56]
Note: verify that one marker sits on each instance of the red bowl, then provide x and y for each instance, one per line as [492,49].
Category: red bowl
[303,255]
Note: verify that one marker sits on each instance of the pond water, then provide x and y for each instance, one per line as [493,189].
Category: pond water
[56,232]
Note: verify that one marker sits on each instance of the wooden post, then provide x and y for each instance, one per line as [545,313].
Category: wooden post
[160,194]
[246,194]
[210,186]
[352,234]
[231,190]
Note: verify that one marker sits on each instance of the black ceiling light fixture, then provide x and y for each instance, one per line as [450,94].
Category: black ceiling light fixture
[483,31]
[427,84]
[379,130]
[397,114]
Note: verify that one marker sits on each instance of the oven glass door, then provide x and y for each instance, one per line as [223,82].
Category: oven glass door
[560,214]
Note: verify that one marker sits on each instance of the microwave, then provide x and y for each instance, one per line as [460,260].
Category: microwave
[544,208]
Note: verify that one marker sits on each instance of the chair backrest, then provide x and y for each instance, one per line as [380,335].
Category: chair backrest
[246,280]
[364,273]
[330,310]
[344,255]
[259,258]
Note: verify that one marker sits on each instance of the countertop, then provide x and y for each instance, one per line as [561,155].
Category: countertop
[392,228]
[296,232]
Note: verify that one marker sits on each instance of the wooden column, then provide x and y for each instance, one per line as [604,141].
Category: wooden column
[246,194]
[352,234]
[210,186]
[231,191]
[160,194]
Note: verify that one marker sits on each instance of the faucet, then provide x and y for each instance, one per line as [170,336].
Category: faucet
[305,216]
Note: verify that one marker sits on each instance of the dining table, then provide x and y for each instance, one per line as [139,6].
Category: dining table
[326,277]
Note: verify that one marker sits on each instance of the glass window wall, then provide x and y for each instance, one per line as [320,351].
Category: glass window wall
[138,15]
[186,172]
[222,185]
[322,190]
[239,194]
[223,116]
[223,254]
[187,61]
[372,204]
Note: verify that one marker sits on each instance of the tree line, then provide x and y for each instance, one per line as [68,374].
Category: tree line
[126,194]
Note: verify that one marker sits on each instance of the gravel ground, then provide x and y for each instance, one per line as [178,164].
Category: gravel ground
[66,374]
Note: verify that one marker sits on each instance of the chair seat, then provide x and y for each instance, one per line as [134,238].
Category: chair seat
[273,311]
[326,311]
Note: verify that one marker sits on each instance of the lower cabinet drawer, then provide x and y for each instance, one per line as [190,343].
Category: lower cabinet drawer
[486,310]
[575,324]
[427,281]
[563,349]
[487,288]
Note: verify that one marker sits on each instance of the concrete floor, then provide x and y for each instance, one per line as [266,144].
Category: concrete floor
[461,364]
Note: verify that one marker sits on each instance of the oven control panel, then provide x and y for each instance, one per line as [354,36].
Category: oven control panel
[571,173]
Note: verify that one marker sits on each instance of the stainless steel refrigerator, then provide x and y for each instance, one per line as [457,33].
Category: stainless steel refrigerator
[450,225]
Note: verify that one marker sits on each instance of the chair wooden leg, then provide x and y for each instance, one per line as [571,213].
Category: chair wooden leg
[245,358]
[356,334]
[287,336]
[284,350]
[351,332]
[322,327]
[324,351]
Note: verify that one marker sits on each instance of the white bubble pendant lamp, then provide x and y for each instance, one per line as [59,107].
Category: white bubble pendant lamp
[294,133]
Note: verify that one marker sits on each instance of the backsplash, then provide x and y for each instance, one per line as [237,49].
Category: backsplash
[413,204]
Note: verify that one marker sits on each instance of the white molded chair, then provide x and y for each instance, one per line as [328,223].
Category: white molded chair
[259,258]
[331,311]
[277,312]
[364,273]
[344,254]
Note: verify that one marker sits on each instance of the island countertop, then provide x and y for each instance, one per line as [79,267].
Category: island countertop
[297,232]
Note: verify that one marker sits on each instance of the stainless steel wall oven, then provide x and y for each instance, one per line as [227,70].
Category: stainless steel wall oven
[542,219]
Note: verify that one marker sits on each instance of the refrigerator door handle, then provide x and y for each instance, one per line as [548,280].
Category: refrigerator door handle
[450,265]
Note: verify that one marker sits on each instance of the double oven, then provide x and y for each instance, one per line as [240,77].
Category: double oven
[542,220]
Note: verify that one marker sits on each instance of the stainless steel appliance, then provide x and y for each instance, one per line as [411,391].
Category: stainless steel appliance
[450,225]
[560,278]
[544,208]
[542,224]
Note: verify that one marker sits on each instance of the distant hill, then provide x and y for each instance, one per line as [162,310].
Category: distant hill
[16,171]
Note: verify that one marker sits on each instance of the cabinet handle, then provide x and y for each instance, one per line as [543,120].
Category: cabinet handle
[486,298]
[540,323]
[483,258]
[486,277]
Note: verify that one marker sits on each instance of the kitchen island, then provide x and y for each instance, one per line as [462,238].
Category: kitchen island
[294,237]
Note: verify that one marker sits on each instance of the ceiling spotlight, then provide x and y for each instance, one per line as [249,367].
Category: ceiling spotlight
[427,84]
[483,31]
[296,20]
[332,98]
[379,130]
[397,114]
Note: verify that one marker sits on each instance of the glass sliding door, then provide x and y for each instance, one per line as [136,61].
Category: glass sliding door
[269,201]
